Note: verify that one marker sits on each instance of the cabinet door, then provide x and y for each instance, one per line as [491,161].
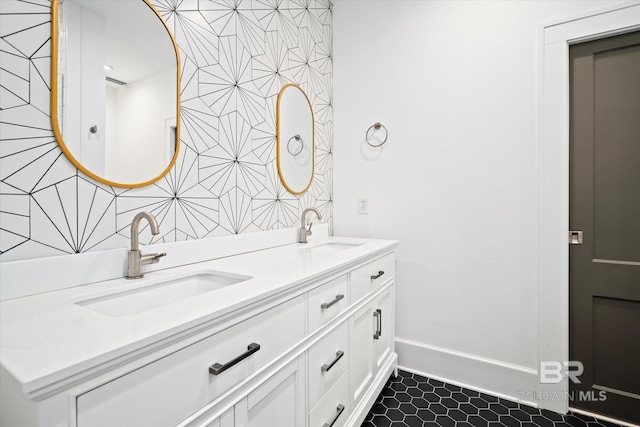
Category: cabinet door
[384,327]
[280,401]
[362,329]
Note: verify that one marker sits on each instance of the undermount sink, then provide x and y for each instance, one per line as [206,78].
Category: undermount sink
[333,247]
[159,292]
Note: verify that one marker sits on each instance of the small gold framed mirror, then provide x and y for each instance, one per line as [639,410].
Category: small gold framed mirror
[115,90]
[295,139]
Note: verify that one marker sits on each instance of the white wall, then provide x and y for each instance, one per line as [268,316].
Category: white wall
[93,92]
[138,127]
[84,86]
[455,83]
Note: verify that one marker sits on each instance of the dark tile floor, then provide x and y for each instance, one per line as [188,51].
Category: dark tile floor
[415,401]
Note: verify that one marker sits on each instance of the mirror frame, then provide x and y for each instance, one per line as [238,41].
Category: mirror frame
[54,102]
[278,143]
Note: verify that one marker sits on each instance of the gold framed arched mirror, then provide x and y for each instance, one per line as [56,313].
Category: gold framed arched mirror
[295,139]
[115,90]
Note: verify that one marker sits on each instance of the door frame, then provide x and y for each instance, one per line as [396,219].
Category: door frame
[554,39]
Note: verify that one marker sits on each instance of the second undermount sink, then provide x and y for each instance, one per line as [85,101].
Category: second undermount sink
[332,247]
[156,293]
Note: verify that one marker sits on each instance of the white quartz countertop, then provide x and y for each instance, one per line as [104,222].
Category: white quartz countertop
[47,337]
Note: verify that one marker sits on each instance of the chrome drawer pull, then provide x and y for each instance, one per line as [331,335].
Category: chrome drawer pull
[325,367]
[380,273]
[329,304]
[217,368]
[340,410]
[378,315]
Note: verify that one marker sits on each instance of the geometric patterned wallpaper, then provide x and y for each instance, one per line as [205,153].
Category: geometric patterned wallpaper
[236,55]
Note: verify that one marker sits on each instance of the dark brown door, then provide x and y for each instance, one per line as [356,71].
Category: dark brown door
[604,190]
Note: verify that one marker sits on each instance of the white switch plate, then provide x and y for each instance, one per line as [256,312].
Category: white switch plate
[363,206]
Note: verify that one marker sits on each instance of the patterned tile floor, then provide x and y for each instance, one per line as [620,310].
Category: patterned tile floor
[415,401]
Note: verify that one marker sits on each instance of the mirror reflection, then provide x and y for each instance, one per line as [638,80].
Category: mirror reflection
[295,139]
[115,102]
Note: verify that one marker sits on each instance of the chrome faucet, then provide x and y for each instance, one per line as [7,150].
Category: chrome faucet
[136,259]
[304,232]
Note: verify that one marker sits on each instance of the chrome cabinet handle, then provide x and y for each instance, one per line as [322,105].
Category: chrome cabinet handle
[378,315]
[329,304]
[380,273]
[340,410]
[217,368]
[326,367]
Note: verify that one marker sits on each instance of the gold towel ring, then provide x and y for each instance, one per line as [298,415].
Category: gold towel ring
[377,126]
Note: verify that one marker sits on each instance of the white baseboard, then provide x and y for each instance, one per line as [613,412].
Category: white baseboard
[488,376]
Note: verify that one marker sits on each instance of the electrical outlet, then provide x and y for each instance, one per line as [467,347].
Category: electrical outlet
[363,206]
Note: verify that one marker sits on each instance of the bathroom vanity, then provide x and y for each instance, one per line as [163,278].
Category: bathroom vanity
[296,335]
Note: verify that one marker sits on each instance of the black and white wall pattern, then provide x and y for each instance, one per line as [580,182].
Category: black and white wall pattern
[236,55]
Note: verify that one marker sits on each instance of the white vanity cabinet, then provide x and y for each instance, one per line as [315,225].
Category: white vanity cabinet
[326,349]
[371,275]
[326,302]
[384,333]
[168,390]
[277,402]
[371,340]
[362,329]
[334,409]
[372,327]
[327,362]
[348,355]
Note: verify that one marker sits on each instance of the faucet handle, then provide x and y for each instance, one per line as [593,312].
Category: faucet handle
[156,257]
[309,232]
[151,258]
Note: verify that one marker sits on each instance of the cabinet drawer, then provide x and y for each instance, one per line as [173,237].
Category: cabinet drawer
[326,302]
[328,359]
[172,388]
[371,275]
[334,406]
